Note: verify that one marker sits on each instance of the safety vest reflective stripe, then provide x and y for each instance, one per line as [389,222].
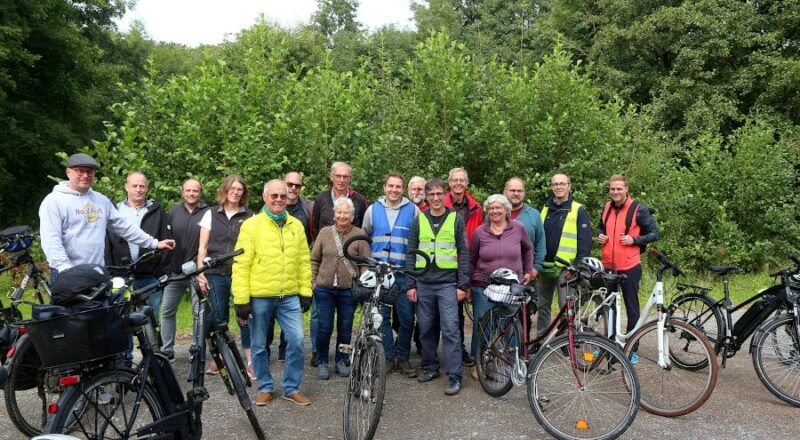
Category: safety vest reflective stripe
[441,248]
[390,239]
[568,244]
[390,243]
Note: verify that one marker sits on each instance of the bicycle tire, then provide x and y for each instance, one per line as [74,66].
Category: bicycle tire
[232,369]
[602,409]
[673,391]
[365,392]
[27,391]
[776,358]
[99,408]
[499,338]
[589,319]
[700,311]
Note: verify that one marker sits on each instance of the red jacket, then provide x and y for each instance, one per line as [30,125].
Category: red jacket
[618,256]
[474,217]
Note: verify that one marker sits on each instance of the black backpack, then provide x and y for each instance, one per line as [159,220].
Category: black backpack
[632,210]
[84,279]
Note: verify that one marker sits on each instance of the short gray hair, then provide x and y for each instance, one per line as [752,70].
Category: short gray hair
[266,185]
[416,179]
[456,170]
[341,164]
[345,201]
[498,198]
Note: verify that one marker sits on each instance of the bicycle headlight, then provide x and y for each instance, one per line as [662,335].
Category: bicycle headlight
[377,319]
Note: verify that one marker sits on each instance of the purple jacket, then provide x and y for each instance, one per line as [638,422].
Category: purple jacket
[512,249]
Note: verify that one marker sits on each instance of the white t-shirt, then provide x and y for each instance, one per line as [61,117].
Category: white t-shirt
[205,222]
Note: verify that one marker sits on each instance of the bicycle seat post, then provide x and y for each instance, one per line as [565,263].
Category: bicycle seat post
[727,293]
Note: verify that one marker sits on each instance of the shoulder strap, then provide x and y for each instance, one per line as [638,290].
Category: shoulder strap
[629,217]
[340,251]
[606,215]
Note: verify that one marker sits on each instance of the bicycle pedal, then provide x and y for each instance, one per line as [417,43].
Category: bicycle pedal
[198,395]
[346,348]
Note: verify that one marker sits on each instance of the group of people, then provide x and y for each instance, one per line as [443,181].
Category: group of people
[293,258]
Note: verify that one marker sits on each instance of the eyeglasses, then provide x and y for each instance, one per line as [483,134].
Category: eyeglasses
[557,184]
[278,196]
[294,185]
[459,180]
[341,176]
[82,170]
[435,194]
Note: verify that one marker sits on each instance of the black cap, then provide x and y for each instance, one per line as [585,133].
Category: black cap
[82,160]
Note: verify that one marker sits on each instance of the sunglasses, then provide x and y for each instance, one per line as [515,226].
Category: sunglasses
[294,185]
[278,196]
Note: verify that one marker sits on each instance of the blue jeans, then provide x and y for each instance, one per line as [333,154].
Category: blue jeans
[314,328]
[480,305]
[329,301]
[287,312]
[220,295]
[437,306]
[405,312]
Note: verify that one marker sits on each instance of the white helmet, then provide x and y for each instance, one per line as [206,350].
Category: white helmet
[591,263]
[368,279]
[504,276]
[388,281]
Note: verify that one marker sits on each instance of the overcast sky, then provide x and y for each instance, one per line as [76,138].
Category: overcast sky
[194,22]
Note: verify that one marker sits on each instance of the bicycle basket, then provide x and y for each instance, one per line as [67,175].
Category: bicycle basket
[80,337]
[503,294]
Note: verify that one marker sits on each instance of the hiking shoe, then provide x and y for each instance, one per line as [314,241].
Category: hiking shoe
[474,373]
[342,369]
[263,398]
[466,359]
[298,398]
[405,368]
[251,373]
[453,386]
[428,375]
[634,358]
[323,372]
[391,365]
[314,360]
[212,369]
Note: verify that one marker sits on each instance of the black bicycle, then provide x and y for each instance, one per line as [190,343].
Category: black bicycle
[775,345]
[363,402]
[147,402]
[26,391]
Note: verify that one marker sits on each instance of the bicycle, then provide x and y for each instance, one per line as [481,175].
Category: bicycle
[715,319]
[668,352]
[147,401]
[579,384]
[25,390]
[363,402]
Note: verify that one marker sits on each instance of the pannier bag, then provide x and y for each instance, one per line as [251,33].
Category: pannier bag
[84,279]
[756,314]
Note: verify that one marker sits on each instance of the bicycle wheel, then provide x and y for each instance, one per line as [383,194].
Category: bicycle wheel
[499,338]
[776,358]
[699,311]
[28,390]
[232,371]
[602,405]
[674,390]
[363,402]
[101,407]
[592,316]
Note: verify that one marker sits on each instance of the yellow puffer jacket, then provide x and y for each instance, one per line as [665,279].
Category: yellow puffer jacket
[275,261]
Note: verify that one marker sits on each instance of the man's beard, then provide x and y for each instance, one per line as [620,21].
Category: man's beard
[417,200]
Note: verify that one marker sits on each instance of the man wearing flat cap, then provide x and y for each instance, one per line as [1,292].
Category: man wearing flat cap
[73,220]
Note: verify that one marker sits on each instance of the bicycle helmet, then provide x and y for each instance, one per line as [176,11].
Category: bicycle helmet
[503,276]
[368,279]
[592,270]
[592,264]
[388,281]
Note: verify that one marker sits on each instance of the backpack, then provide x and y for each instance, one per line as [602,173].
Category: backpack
[628,219]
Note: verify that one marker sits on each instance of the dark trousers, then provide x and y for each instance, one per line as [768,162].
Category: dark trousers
[438,302]
[630,293]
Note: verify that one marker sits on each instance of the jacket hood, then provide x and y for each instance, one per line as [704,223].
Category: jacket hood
[403,201]
[63,188]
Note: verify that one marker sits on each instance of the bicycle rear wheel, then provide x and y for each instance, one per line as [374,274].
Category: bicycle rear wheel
[232,371]
[776,358]
[499,341]
[577,402]
[363,402]
[102,407]
[674,390]
[28,390]
[699,311]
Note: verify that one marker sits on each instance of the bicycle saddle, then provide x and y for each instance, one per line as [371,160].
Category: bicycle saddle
[723,270]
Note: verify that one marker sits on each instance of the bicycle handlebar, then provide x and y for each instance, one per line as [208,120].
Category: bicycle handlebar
[126,270]
[676,270]
[209,262]
[788,271]
[374,263]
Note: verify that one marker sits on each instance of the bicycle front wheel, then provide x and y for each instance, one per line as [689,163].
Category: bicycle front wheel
[498,349]
[29,389]
[573,401]
[102,407]
[232,371]
[673,390]
[776,358]
[699,311]
[363,402]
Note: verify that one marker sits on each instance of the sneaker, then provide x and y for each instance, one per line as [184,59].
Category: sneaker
[298,398]
[453,386]
[323,372]
[251,373]
[314,360]
[342,369]
[263,398]
[405,368]
[428,375]
[466,359]
[474,373]
[634,358]
[212,369]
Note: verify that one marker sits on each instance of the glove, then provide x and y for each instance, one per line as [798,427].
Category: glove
[242,311]
[305,303]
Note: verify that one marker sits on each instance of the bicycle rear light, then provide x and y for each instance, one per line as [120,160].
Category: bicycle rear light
[69,380]
[52,408]
[11,351]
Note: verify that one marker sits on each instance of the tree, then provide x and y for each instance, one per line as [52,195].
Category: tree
[336,16]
